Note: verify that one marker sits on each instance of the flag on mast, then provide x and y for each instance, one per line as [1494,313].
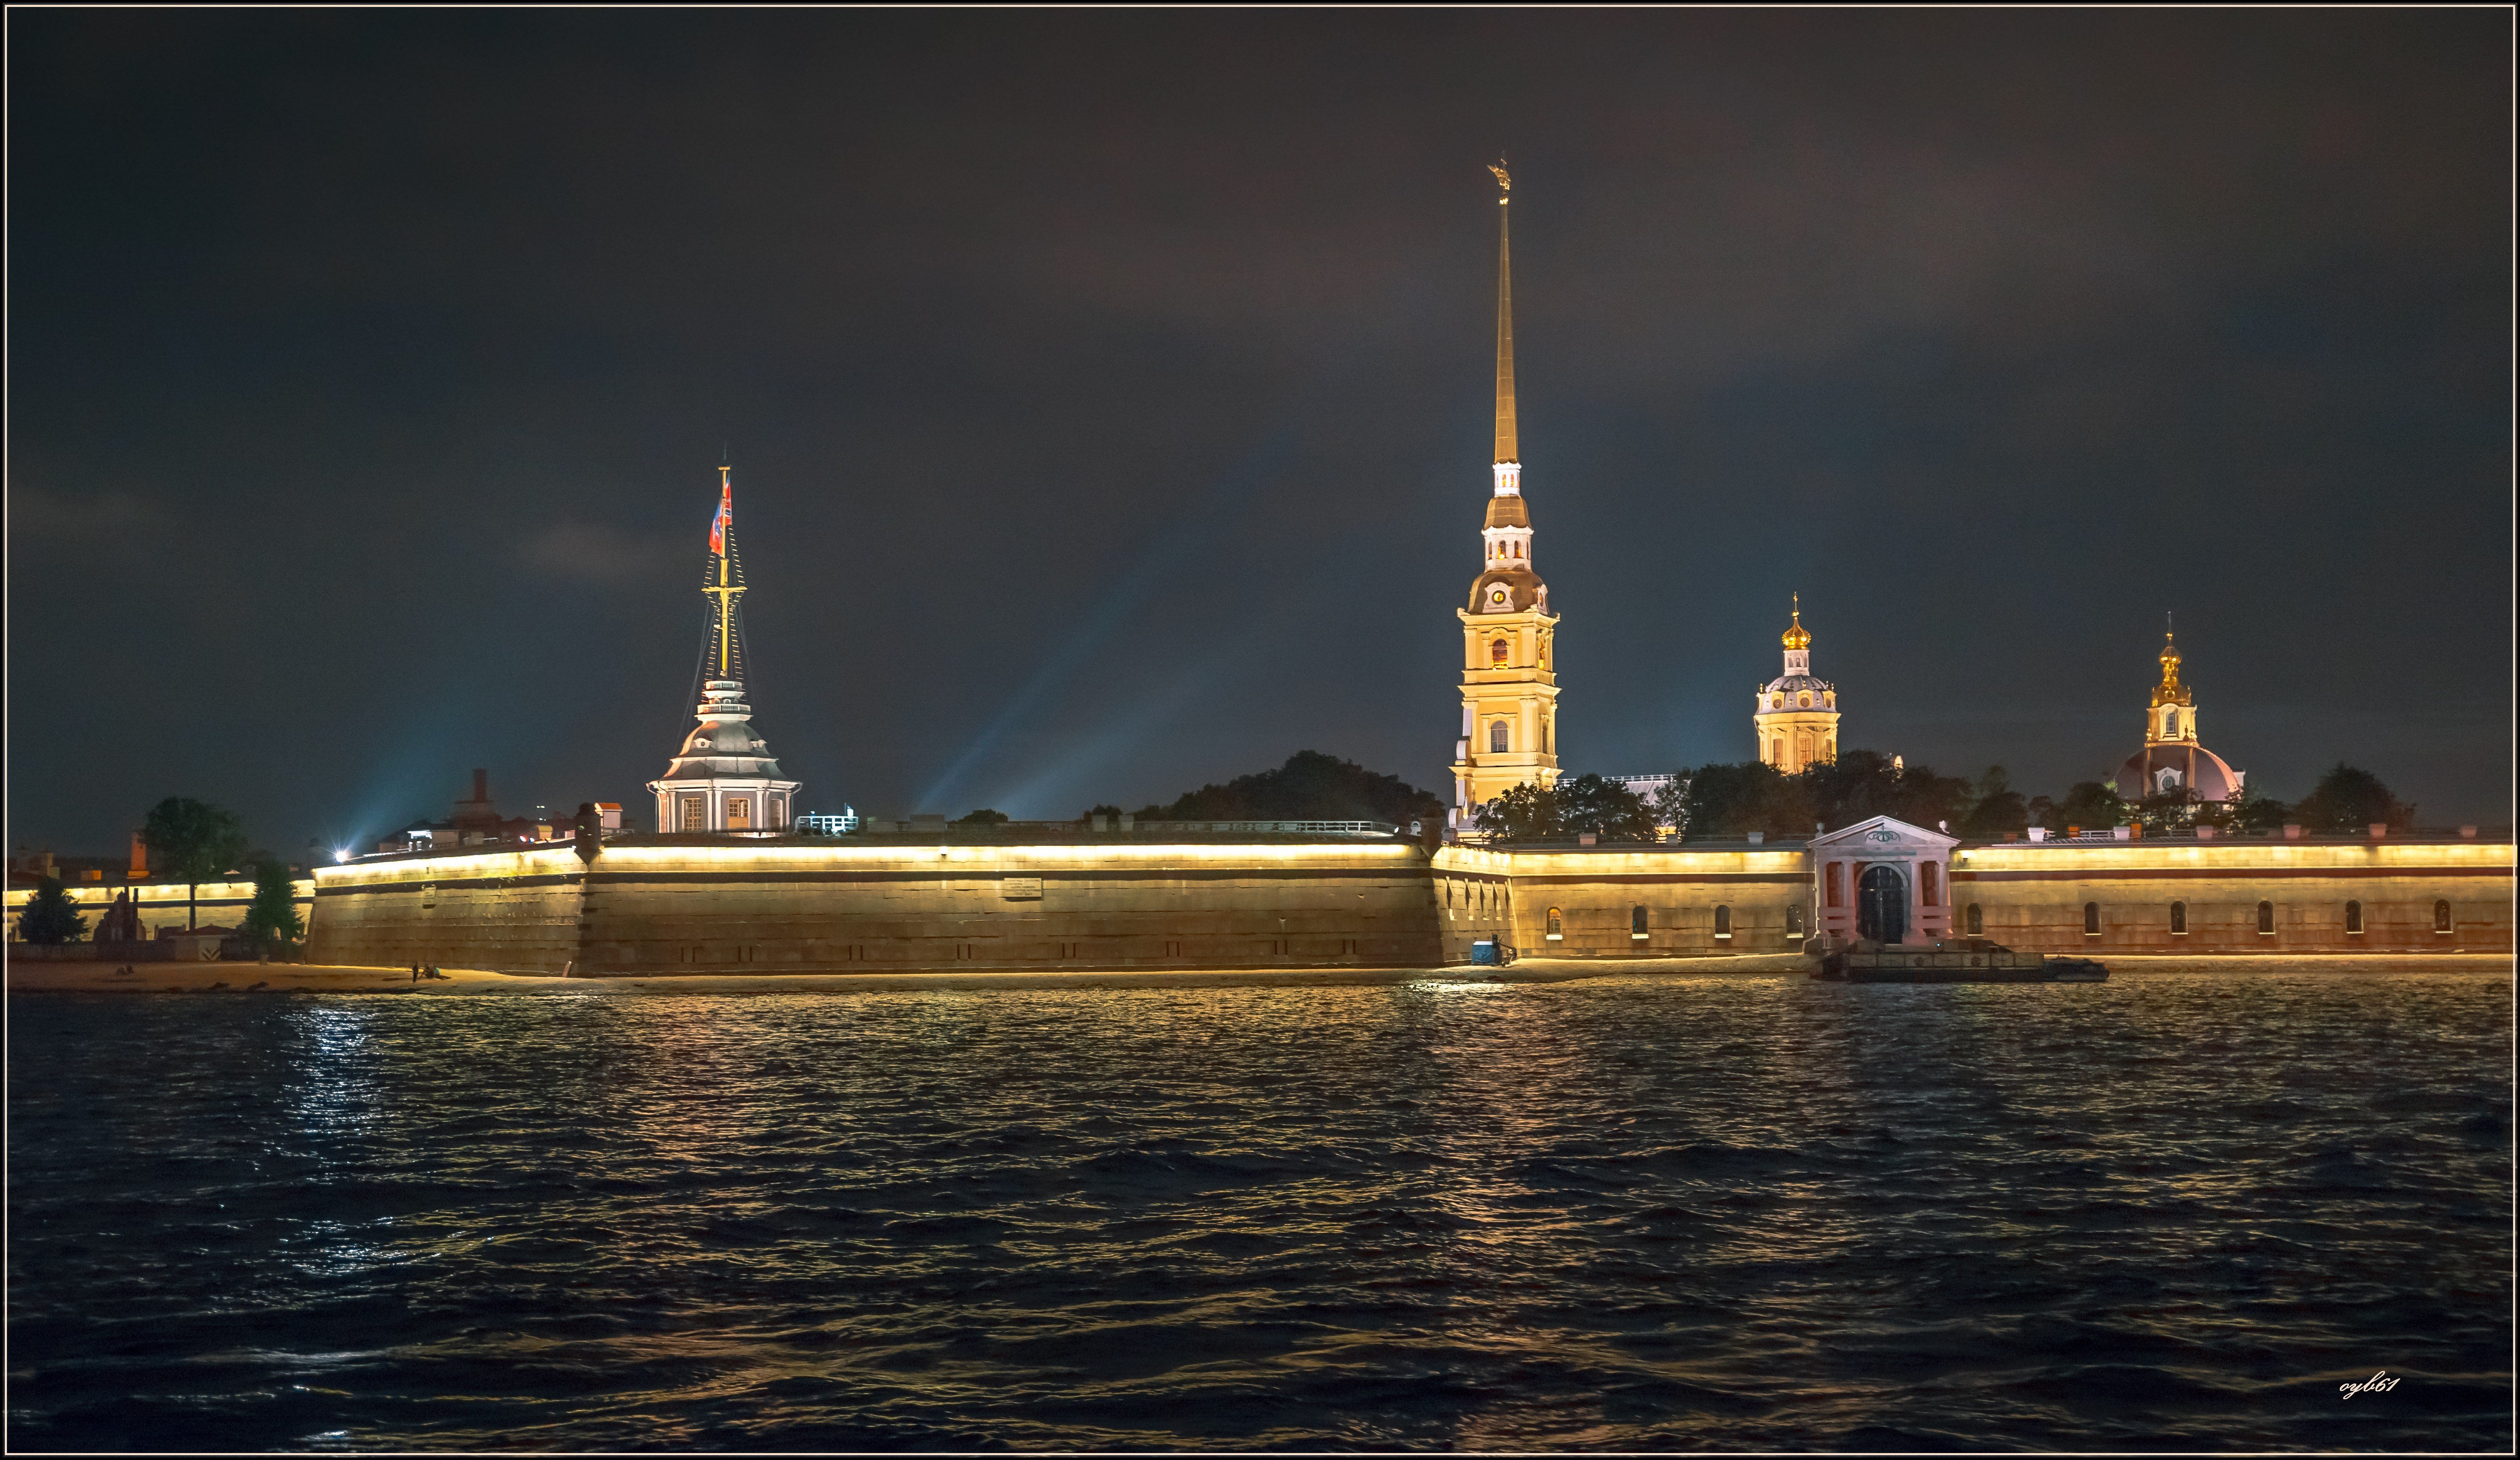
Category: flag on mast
[724,520]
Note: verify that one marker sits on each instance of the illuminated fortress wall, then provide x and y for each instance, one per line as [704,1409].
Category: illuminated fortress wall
[1697,901]
[223,903]
[514,911]
[714,905]
[2043,896]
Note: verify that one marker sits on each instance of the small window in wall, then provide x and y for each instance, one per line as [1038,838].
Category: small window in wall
[1544,736]
[1556,923]
[1497,738]
[2179,918]
[1976,921]
[695,813]
[1931,882]
[1637,921]
[1723,922]
[1777,747]
[1794,920]
[2090,920]
[2441,917]
[739,813]
[2354,916]
[1836,881]
[1497,651]
[2266,917]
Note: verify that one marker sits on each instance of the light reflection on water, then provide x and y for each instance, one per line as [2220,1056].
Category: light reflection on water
[1748,1212]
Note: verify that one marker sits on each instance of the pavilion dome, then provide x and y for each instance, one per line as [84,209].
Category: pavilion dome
[2170,766]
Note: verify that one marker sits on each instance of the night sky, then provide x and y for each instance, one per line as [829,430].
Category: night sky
[1108,394]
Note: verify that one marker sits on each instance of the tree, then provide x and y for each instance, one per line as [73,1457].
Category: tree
[1729,800]
[2090,804]
[1106,809]
[193,842]
[1309,786]
[1996,810]
[981,817]
[273,918]
[2250,811]
[1607,808]
[2348,799]
[1524,814]
[2169,811]
[1670,805]
[51,916]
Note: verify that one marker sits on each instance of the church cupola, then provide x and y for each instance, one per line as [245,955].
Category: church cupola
[724,777]
[2172,760]
[1796,713]
[1508,678]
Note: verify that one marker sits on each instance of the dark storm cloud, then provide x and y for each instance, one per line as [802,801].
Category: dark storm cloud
[369,373]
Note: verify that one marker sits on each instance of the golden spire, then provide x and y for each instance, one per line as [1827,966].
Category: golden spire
[1508,449]
[2170,690]
[726,584]
[1798,637]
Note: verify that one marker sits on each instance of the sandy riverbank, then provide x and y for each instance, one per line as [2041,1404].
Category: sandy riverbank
[292,978]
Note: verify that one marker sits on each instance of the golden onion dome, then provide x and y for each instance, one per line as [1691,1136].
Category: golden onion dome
[1798,637]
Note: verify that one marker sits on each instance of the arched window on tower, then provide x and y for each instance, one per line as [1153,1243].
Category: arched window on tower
[2170,724]
[1498,650]
[1496,738]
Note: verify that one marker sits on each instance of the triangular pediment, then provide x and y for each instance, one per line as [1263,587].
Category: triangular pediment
[1885,832]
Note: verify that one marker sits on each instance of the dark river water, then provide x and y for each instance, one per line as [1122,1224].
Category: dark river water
[2174,1210]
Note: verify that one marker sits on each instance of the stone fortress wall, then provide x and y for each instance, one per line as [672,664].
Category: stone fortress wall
[711,904]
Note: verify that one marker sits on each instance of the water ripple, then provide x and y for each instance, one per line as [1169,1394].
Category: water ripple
[2173,1210]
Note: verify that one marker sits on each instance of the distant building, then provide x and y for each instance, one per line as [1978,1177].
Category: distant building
[724,777]
[1508,685]
[829,823]
[476,823]
[1797,714]
[2172,758]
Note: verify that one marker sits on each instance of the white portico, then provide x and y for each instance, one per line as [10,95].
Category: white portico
[1884,879]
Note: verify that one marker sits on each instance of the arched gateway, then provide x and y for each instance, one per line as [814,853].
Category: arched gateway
[1881,905]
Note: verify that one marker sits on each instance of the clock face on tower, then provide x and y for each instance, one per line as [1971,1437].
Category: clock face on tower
[1496,596]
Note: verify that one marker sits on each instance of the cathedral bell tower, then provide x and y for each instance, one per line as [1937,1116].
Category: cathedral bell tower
[1509,683]
[724,777]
